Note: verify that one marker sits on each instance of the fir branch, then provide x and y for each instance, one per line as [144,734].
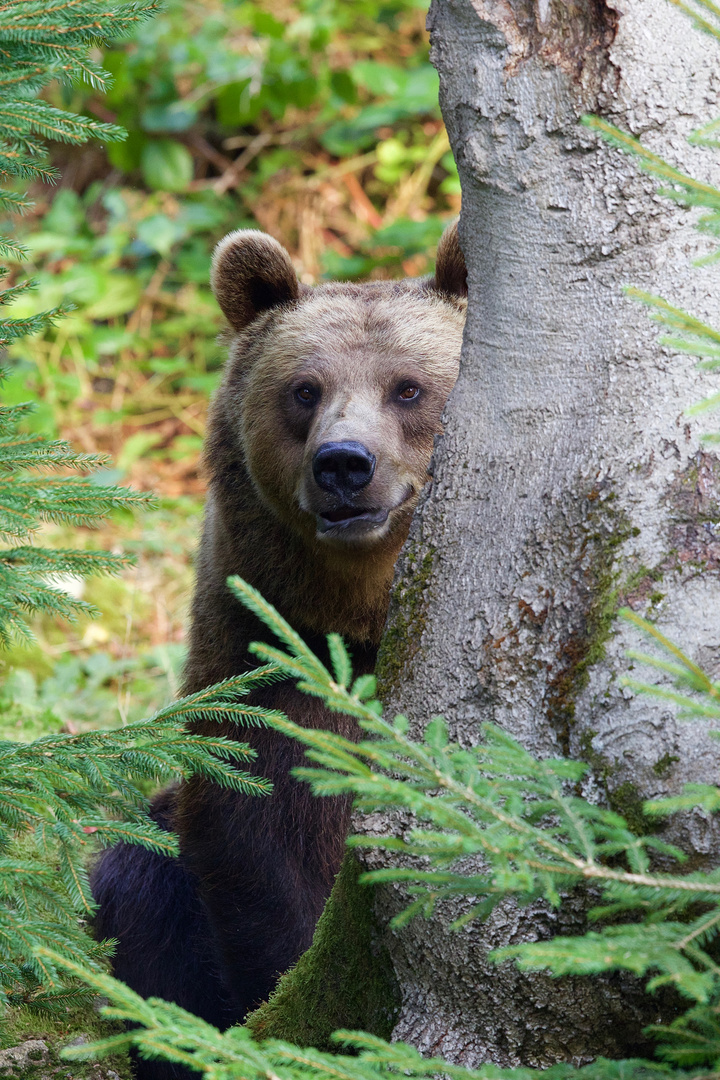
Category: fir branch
[673,316]
[699,21]
[706,135]
[526,833]
[69,792]
[18,118]
[689,671]
[12,329]
[275,622]
[684,188]
[62,561]
[12,248]
[23,451]
[157,1029]
[15,202]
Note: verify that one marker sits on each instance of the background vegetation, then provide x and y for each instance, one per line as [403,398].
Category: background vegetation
[316,120]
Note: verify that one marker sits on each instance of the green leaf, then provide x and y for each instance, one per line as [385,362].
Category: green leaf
[166,165]
[161,233]
[174,117]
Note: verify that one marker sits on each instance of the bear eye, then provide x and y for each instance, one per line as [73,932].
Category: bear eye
[306,395]
[409,392]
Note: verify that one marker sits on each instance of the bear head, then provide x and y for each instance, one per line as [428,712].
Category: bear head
[335,393]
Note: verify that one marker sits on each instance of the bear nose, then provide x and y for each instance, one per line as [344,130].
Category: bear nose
[343,468]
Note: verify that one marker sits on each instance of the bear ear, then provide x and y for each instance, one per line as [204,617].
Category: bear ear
[450,269]
[251,273]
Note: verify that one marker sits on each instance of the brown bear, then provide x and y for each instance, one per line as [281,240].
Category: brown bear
[318,446]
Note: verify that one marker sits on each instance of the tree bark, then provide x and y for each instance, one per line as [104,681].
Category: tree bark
[568,480]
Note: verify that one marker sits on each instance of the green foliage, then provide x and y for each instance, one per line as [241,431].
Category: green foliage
[387,247]
[81,690]
[143,312]
[40,568]
[686,674]
[26,500]
[167,1031]
[491,822]
[62,794]
[39,45]
[535,837]
[704,13]
[249,64]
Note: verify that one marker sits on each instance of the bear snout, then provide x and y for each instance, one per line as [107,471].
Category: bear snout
[343,468]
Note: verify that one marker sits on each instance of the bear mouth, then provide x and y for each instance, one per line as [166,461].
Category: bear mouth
[346,517]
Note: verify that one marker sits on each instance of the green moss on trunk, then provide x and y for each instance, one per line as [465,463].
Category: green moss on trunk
[344,980]
[406,623]
[604,529]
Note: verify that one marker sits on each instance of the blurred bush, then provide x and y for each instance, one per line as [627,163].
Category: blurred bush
[316,120]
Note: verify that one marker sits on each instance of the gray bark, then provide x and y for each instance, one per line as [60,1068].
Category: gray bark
[568,480]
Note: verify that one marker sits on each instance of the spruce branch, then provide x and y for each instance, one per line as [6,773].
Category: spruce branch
[62,795]
[684,188]
[515,818]
[709,25]
[157,1029]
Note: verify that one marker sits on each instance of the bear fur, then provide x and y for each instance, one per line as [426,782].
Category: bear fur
[318,446]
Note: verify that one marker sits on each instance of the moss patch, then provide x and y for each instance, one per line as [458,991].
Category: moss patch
[625,799]
[606,529]
[344,980]
[31,1043]
[665,764]
[408,613]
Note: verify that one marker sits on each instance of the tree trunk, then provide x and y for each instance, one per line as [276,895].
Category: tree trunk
[568,480]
